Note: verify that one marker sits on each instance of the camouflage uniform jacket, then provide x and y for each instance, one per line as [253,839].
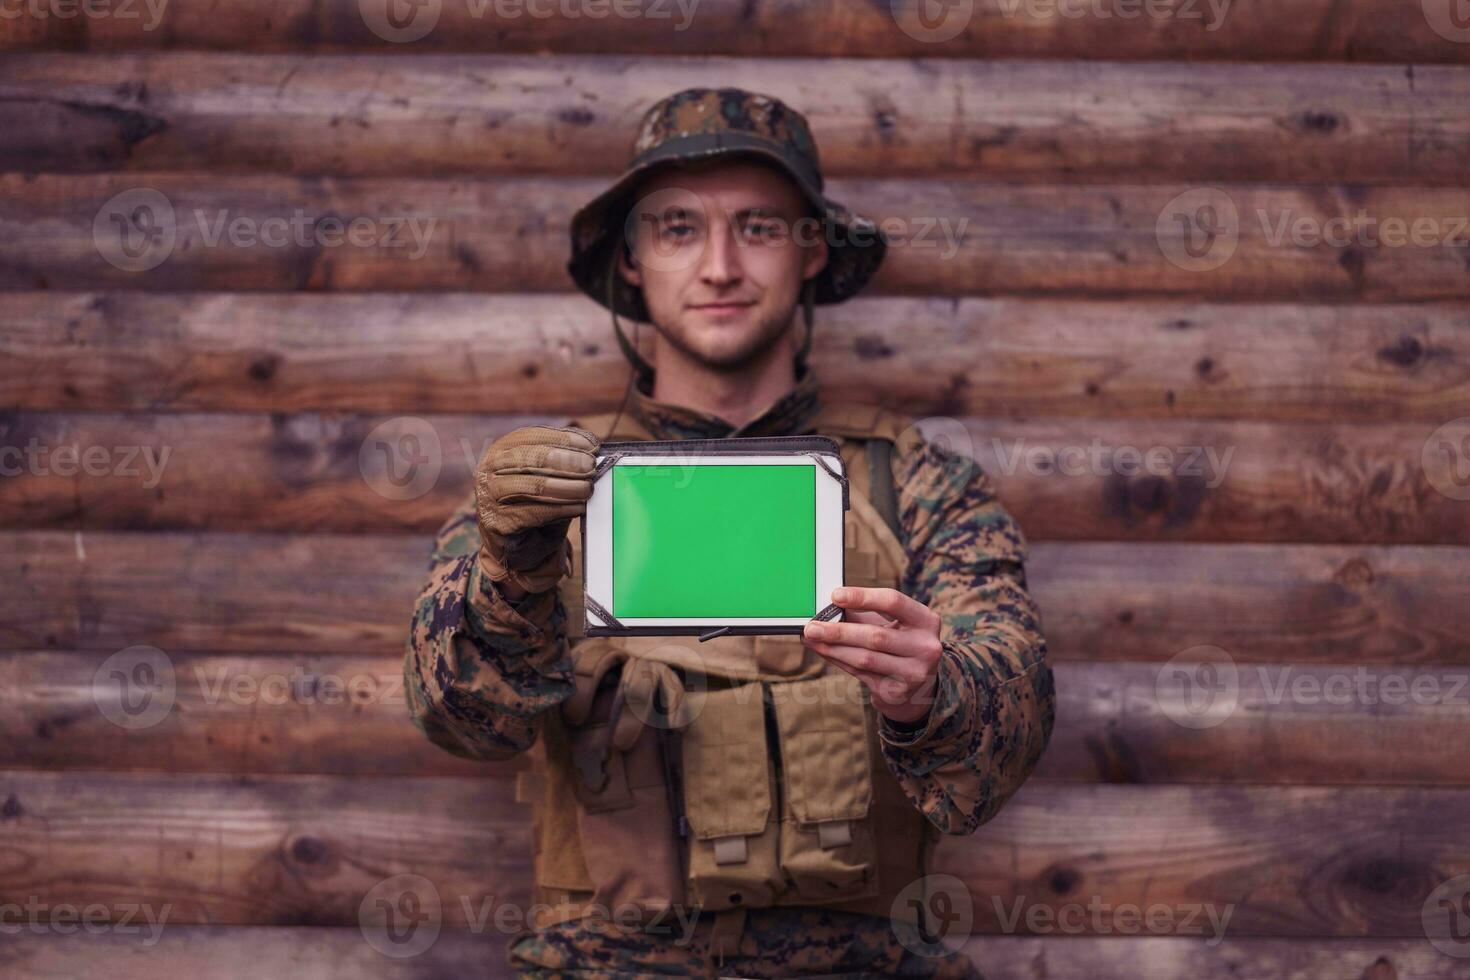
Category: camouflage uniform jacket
[480,669]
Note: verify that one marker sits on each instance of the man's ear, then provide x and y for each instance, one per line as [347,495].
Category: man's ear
[627,268]
[816,258]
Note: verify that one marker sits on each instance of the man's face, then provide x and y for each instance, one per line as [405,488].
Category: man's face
[721,253]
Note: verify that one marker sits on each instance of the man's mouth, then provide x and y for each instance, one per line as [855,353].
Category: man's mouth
[723,309]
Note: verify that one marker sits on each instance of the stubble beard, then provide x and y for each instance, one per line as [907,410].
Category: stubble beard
[756,345]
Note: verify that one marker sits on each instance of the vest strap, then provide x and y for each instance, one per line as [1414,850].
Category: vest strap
[880,484]
[724,939]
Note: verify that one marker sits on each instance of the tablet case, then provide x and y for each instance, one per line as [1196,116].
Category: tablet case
[823,449]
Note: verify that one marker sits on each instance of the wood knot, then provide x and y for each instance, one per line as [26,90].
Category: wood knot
[1318,121]
[871,348]
[1382,969]
[1405,354]
[264,368]
[1355,573]
[1205,367]
[1063,881]
[12,808]
[308,850]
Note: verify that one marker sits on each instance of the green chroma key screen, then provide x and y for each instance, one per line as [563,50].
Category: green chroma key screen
[714,541]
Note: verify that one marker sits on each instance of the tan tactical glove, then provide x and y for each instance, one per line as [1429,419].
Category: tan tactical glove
[529,486]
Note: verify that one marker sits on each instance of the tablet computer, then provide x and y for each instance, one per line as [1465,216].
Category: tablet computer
[713,536]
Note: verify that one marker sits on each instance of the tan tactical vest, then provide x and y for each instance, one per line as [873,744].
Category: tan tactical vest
[785,796]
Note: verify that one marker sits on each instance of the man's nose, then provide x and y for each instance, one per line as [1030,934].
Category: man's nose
[720,263]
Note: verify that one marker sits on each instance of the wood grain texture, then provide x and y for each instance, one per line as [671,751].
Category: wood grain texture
[328,953]
[307,850]
[1116,722]
[465,115]
[1100,601]
[1366,30]
[225,713]
[1063,479]
[250,952]
[951,237]
[1277,723]
[385,352]
[1171,958]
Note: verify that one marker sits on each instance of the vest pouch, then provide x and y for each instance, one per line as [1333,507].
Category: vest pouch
[728,789]
[624,822]
[827,851]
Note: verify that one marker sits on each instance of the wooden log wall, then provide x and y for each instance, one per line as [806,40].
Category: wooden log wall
[182,428]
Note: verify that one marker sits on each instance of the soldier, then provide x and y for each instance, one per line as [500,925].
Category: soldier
[786,826]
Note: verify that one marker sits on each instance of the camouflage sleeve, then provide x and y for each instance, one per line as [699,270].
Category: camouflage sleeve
[994,704]
[479,669]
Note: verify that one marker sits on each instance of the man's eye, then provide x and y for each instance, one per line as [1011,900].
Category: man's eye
[678,231]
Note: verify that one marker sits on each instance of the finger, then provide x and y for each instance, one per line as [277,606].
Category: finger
[506,520]
[519,489]
[864,616]
[885,687]
[862,659]
[548,460]
[908,611]
[896,642]
[549,435]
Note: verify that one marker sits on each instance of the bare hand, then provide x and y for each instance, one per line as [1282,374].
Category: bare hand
[890,642]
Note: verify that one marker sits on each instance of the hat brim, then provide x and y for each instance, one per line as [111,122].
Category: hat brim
[855,244]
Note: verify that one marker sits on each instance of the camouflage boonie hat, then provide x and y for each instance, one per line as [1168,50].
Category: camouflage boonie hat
[700,123]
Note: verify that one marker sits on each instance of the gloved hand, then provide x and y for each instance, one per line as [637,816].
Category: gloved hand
[531,483]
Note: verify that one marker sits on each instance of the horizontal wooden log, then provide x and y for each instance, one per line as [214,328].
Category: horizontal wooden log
[1274,723]
[1215,862]
[1100,601]
[1116,722]
[228,713]
[1170,958]
[1067,479]
[129,351]
[1367,30]
[297,952]
[167,232]
[328,953]
[452,115]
